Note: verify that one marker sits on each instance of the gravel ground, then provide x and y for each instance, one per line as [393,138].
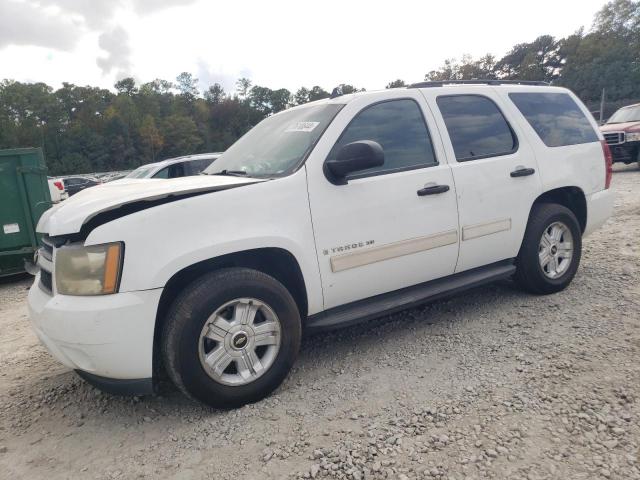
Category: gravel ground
[491,384]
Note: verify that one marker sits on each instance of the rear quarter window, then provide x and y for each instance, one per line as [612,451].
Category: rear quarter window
[555,117]
[194,167]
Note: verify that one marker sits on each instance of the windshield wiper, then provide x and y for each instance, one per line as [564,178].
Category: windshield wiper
[230,173]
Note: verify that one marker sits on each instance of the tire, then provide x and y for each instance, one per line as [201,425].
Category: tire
[532,273]
[195,347]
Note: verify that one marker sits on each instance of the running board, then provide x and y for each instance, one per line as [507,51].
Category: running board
[387,303]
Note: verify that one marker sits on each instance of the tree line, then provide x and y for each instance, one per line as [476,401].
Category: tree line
[88,129]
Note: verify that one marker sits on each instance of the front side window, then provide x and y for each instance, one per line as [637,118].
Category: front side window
[140,172]
[477,128]
[399,127]
[277,145]
[555,117]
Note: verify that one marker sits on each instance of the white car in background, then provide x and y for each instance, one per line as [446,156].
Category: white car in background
[57,190]
[175,167]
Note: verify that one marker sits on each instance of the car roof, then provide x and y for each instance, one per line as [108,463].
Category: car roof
[66,177]
[630,106]
[185,158]
[444,86]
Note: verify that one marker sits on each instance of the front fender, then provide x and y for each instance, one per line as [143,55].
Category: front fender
[161,241]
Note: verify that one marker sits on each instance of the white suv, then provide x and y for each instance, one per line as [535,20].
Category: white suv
[323,215]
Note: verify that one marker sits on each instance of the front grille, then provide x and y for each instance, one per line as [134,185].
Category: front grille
[46,252]
[624,153]
[47,249]
[614,138]
[45,281]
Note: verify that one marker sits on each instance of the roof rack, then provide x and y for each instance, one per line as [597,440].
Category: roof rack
[489,81]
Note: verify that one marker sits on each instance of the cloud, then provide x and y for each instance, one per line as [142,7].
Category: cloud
[98,13]
[60,24]
[94,13]
[208,76]
[116,44]
[145,7]
[26,24]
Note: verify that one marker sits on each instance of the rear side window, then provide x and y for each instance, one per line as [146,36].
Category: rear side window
[194,167]
[476,127]
[399,127]
[555,117]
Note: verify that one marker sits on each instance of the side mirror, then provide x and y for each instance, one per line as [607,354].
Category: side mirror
[353,157]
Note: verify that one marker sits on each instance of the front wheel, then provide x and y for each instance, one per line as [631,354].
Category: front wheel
[550,253]
[231,337]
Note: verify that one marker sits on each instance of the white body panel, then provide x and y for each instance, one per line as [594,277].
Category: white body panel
[600,208]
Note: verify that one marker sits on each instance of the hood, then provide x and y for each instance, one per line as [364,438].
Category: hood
[115,199]
[619,127]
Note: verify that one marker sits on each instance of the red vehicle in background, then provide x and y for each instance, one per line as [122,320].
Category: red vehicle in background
[622,134]
[57,190]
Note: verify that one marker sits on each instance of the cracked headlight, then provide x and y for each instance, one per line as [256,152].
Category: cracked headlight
[92,270]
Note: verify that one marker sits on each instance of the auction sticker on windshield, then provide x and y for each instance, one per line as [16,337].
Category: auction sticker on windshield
[302,127]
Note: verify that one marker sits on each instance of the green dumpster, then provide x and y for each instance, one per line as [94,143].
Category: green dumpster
[24,196]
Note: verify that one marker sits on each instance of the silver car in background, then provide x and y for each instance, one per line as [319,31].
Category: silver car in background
[175,167]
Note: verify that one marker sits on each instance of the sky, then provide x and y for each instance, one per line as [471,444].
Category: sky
[277,44]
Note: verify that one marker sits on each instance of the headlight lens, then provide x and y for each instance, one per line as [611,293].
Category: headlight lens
[93,270]
[633,137]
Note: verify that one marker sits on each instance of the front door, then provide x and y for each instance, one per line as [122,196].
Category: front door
[387,228]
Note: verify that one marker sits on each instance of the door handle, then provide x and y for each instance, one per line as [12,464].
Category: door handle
[522,172]
[433,190]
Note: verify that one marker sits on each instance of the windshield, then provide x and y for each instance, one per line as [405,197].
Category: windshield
[626,115]
[140,172]
[278,144]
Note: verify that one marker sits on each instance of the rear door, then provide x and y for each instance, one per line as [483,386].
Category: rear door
[378,233]
[494,169]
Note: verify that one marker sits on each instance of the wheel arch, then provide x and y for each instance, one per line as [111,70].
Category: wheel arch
[571,197]
[276,262]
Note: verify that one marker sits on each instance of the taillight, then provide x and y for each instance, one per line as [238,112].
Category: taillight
[608,164]
[59,185]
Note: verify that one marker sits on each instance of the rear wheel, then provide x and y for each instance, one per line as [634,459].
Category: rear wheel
[550,253]
[231,337]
